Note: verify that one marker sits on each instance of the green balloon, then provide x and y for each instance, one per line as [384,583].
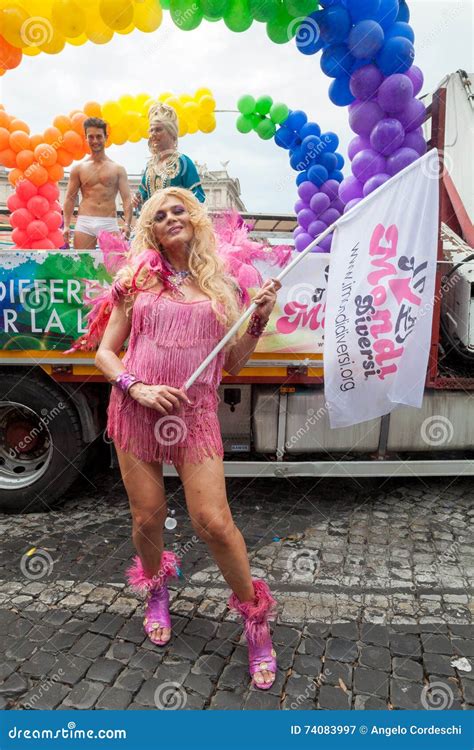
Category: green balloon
[165,4]
[282,28]
[256,120]
[264,105]
[279,113]
[238,16]
[266,129]
[264,10]
[244,124]
[301,7]
[246,104]
[186,14]
[213,10]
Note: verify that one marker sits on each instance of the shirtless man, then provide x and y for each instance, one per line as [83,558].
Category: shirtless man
[99,179]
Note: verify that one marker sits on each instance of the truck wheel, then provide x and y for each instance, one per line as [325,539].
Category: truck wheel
[41,448]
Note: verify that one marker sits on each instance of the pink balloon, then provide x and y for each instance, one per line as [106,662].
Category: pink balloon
[357,144]
[38,206]
[19,237]
[21,218]
[53,220]
[44,244]
[26,190]
[367,164]
[364,116]
[57,238]
[350,188]
[375,182]
[50,191]
[14,202]
[37,230]
[56,207]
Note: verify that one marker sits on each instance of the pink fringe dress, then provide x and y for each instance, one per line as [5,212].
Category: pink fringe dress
[169,339]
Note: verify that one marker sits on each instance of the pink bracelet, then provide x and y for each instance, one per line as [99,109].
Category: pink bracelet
[256,325]
[125,380]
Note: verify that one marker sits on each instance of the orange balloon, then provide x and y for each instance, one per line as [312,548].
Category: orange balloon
[52,136]
[19,140]
[4,138]
[10,57]
[5,120]
[78,121]
[15,176]
[65,159]
[8,158]
[45,155]
[72,141]
[56,172]
[93,109]
[63,123]
[25,159]
[18,125]
[36,140]
[37,174]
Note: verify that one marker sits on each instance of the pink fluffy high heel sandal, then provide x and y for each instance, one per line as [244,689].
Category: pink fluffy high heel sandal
[262,656]
[157,613]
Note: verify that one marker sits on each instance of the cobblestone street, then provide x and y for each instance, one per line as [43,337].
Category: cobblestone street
[372,582]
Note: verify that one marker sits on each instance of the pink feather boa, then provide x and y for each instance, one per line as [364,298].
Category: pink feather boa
[141,582]
[257,613]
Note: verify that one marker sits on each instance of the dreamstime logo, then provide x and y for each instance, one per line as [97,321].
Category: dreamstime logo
[437,696]
[303,564]
[307,30]
[37,299]
[36,564]
[170,696]
[36,31]
[437,430]
[170,430]
[302,294]
[433,169]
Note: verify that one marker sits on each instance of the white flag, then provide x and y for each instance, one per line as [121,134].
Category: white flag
[380,297]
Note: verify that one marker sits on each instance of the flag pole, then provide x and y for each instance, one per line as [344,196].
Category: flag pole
[253,306]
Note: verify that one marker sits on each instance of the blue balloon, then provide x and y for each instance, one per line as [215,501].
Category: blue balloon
[311,128]
[296,160]
[284,137]
[366,39]
[308,37]
[340,161]
[302,177]
[403,13]
[296,120]
[330,140]
[399,28]
[336,175]
[336,61]
[387,13]
[340,93]
[311,145]
[335,24]
[328,3]
[329,161]
[318,174]
[396,56]
[362,9]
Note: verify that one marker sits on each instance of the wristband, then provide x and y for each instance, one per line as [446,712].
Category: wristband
[256,325]
[125,380]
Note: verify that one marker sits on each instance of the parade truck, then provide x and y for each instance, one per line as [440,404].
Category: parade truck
[273,414]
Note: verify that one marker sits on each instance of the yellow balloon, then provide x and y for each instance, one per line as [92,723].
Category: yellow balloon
[118,135]
[135,137]
[112,112]
[207,123]
[145,128]
[183,128]
[97,31]
[192,127]
[185,99]
[78,41]
[127,102]
[116,14]
[141,101]
[166,95]
[148,15]
[202,92]
[191,111]
[207,103]
[31,51]
[173,101]
[54,45]
[68,18]
[15,26]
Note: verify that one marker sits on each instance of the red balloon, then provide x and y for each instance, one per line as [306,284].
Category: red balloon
[56,207]
[57,238]
[21,218]
[50,191]
[26,190]
[38,206]
[42,245]
[20,237]
[53,220]
[37,230]
[14,202]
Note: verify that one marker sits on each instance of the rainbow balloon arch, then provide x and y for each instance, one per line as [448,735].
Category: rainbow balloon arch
[367,50]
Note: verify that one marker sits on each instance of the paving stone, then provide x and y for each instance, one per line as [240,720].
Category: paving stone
[407,669]
[438,664]
[229,631]
[203,628]
[307,665]
[74,625]
[463,631]
[114,699]
[300,703]
[199,684]
[14,685]
[61,641]
[223,700]
[347,630]
[84,695]
[375,658]
[91,645]
[405,645]
[6,670]
[39,665]
[19,628]
[370,682]
[340,649]
[122,651]
[259,700]
[312,646]
[188,647]
[69,668]
[317,629]
[333,671]
[369,703]
[21,650]
[234,677]
[133,631]
[176,672]
[285,636]
[468,690]
[130,680]
[436,644]
[44,697]
[146,661]
[220,647]
[107,624]
[405,695]
[463,647]
[334,698]
[147,692]
[210,665]
[104,670]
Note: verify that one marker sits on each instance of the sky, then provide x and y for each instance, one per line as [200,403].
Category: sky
[230,65]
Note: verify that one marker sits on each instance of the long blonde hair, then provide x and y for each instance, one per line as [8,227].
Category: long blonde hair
[206,266]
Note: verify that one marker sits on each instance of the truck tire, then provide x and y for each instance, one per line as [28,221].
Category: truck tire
[41,446]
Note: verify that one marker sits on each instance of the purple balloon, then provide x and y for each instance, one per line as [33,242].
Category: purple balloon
[330,216]
[300,205]
[395,93]
[331,189]
[375,182]
[416,141]
[367,164]
[305,217]
[351,204]
[325,244]
[401,159]
[316,228]
[317,249]
[357,144]
[364,116]
[306,191]
[365,82]
[416,77]
[350,188]
[298,231]
[387,136]
[413,116]
[302,242]
[319,203]
[338,205]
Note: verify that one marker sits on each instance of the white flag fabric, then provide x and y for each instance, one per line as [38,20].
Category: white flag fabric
[380,297]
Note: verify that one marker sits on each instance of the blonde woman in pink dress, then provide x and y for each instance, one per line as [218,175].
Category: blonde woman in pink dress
[174,301]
